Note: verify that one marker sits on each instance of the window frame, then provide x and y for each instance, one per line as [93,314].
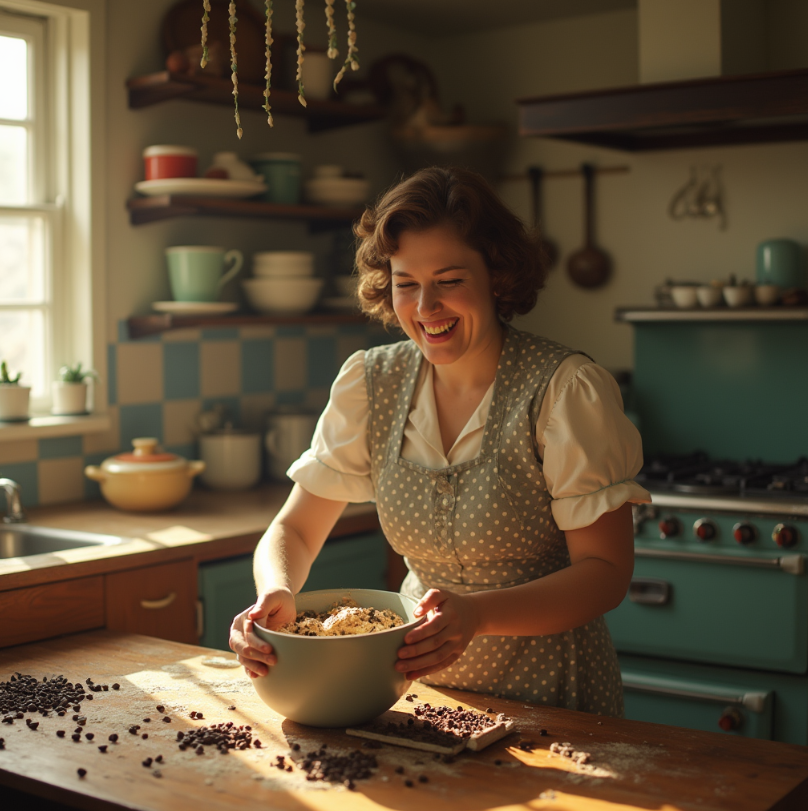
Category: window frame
[72,188]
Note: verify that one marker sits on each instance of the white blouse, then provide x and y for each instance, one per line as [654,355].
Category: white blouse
[590,450]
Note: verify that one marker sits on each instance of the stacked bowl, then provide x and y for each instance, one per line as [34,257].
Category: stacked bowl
[283,283]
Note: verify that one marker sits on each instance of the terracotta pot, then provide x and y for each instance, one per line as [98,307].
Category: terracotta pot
[146,480]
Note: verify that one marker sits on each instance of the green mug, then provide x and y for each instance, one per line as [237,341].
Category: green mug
[198,272]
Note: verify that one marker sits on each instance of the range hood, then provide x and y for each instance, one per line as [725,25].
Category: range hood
[715,111]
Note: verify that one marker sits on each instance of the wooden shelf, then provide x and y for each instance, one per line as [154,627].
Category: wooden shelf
[166,206]
[155,88]
[143,326]
[720,111]
[727,314]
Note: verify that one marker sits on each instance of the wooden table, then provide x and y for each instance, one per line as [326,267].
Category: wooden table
[633,765]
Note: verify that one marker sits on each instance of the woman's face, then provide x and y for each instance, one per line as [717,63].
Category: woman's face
[442,295]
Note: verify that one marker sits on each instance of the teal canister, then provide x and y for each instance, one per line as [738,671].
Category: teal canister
[281,172]
[781,262]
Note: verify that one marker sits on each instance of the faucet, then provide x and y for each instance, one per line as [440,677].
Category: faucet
[14,512]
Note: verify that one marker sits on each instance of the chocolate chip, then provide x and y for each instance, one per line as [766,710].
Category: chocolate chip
[422,778]
[147,720]
[116,686]
[399,770]
[114,737]
[76,737]
[158,759]
[160,708]
[543,732]
[166,719]
[147,763]
[232,707]
[60,733]
[102,748]
[89,736]
[497,762]
[81,772]
[145,735]
[409,783]
[296,747]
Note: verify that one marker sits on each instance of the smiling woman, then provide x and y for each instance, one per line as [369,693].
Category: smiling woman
[501,463]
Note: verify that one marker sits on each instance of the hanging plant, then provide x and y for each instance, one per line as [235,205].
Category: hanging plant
[300,24]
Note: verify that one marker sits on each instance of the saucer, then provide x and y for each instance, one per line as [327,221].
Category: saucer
[202,186]
[194,307]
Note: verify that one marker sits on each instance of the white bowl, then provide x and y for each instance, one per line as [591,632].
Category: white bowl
[337,191]
[304,259]
[282,271]
[767,294]
[684,296]
[709,295]
[282,295]
[738,295]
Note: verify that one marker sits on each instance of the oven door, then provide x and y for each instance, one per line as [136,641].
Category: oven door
[716,608]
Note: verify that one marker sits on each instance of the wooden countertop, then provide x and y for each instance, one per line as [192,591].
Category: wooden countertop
[633,765]
[207,525]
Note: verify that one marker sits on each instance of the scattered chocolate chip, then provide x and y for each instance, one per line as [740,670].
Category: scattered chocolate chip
[81,772]
[497,762]
[409,783]
[116,686]
[102,748]
[158,759]
[232,707]
[399,770]
[422,778]
[543,732]
[60,733]
[89,736]
[166,719]
[157,773]
[147,763]
[296,747]
[76,737]
[145,735]
[200,750]
[147,720]
[160,708]
[199,715]
[113,737]
[33,725]
[193,713]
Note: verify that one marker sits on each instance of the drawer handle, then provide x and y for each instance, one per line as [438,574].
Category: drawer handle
[791,564]
[649,591]
[156,604]
[753,701]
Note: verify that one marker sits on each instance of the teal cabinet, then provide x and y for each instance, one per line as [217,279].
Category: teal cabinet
[226,587]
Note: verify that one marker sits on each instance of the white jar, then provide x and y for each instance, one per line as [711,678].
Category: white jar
[232,459]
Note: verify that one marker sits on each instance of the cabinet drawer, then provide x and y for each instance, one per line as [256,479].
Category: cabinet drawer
[715,613]
[155,600]
[40,612]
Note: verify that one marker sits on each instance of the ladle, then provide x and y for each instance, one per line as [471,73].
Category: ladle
[547,249]
[590,266]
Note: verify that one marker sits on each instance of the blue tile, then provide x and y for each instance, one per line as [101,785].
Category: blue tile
[257,366]
[232,407]
[181,371]
[59,447]
[112,373]
[25,474]
[221,334]
[292,331]
[322,361]
[189,451]
[140,420]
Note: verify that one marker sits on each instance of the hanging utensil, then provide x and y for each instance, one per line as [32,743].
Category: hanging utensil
[590,266]
[547,248]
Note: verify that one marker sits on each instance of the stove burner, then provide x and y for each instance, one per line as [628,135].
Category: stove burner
[696,474]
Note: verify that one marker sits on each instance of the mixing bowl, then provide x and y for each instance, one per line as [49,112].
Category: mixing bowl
[337,681]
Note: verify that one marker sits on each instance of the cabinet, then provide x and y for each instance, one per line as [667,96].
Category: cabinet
[155,600]
[226,587]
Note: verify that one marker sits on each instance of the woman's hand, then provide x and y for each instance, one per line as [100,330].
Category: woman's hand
[451,624]
[272,610]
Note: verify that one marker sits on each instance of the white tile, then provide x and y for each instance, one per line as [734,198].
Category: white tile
[254,408]
[61,480]
[290,364]
[20,450]
[108,440]
[179,421]
[140,373]
[221,368]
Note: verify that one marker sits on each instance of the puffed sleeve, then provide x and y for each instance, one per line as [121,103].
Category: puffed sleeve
[337,466]
[592,451]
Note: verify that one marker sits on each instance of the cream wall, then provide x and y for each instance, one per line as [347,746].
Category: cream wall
[136,268]
[766,187]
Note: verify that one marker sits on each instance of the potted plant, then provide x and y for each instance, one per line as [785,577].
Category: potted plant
[70,390]
[13,396]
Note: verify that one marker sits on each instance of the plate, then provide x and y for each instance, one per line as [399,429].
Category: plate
[195,307]
[207,186]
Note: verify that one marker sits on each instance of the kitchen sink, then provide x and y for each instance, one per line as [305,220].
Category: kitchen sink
[21,540]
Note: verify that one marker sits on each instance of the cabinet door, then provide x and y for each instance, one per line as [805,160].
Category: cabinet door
[226,588]
[155,600]
[356,562]
[40,612]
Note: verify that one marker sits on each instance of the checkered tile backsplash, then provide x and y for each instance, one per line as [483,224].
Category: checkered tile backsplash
[158,386]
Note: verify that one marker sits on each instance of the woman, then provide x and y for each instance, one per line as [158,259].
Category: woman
[501,463]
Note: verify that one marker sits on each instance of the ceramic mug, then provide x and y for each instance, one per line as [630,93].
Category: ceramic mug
[281,173]
[232,459]
[781,262]
[198,272]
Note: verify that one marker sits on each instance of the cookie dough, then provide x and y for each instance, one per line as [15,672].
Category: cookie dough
[344,618]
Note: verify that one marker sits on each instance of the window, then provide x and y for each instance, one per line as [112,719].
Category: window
[50,229]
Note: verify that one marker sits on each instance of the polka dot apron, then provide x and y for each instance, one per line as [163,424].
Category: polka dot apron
[487,524]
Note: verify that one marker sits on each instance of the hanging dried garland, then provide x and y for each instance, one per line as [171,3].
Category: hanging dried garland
[350,58]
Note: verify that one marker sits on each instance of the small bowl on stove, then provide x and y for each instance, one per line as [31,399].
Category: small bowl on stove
[337,681]
[684,296]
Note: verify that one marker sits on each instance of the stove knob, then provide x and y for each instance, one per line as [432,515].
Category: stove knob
[705,530]
[730,720]
[744,533]
[669,527]
[785,535]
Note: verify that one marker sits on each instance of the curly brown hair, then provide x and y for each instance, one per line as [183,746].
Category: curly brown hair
[464,200]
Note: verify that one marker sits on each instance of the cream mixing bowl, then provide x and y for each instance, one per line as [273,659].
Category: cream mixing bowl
[337,681]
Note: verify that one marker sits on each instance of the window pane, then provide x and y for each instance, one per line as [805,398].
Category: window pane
[23,333]
[22,260]
[13,164]
[14,87]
